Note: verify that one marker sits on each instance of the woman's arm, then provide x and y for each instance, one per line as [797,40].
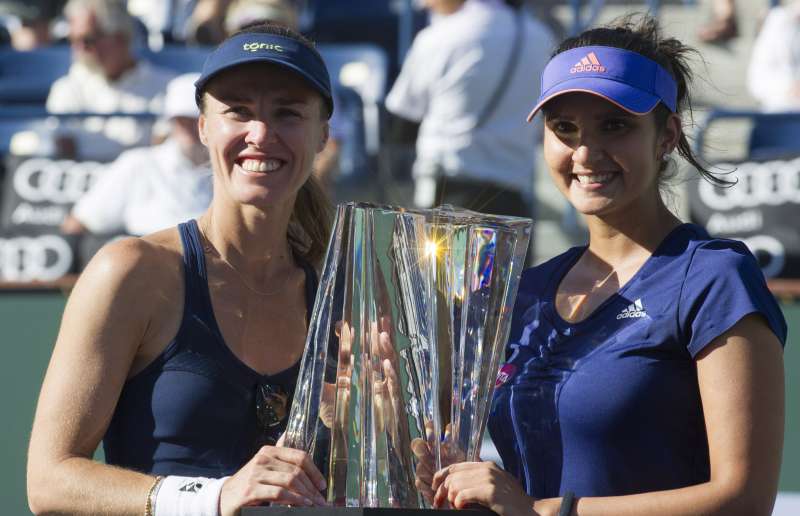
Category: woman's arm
[118,319]
[740,375]
[106,320]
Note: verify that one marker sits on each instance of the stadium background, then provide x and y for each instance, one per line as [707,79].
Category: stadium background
[29,317]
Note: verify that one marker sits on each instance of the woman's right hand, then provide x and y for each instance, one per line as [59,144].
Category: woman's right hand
[425,468]
[274,475]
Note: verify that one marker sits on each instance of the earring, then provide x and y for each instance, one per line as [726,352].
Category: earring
[666,156]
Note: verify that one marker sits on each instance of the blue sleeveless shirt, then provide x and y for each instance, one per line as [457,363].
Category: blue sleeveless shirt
[192,411]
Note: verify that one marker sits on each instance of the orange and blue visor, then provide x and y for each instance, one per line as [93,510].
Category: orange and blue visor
[627,79]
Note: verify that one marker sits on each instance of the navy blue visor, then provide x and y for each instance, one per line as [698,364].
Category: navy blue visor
[267,48]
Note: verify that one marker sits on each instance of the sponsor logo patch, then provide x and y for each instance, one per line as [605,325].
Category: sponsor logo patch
[191,487]
[589,63]
[504,374]
[635,309]
[256,46]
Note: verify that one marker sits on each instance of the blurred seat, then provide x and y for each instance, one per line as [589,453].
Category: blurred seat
[28,130]
[363,69]
[774,135]
[585,13]
[387,24]
[17,118]
[178,58]
[771,135]
[359,76]
[350,134]
[25,77]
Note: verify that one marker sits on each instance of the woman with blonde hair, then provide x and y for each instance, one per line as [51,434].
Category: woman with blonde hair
[180,350]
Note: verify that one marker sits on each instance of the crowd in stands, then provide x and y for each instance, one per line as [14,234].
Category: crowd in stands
[458,89]
[133,137]
[150,188]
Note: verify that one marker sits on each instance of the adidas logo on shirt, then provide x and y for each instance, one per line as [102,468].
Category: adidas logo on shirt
[589,63]
[634,309]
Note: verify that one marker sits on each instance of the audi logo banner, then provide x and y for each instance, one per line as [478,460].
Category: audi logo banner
[39,192]
[762,209]
[36,258]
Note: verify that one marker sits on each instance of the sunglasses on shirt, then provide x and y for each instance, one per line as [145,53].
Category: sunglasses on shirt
[271,412]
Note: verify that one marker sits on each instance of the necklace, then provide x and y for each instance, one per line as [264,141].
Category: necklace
[209,248]
[576,302]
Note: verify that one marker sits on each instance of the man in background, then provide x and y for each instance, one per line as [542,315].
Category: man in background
[464,80]
[151,188]
[106,77]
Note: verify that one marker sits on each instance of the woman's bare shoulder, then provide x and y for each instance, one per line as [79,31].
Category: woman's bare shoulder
[138,262]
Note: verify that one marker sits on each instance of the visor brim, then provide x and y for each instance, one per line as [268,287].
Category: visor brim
[267,59]
[624,96]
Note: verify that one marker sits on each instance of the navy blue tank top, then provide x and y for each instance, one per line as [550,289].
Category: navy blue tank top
[192,411]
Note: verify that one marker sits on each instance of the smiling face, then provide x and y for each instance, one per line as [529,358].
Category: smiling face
[262,125]
[604,159]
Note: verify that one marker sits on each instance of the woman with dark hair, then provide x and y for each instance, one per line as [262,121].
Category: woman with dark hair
[180,350]
[644,370]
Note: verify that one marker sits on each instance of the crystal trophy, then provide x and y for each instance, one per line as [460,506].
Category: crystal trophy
[411,318]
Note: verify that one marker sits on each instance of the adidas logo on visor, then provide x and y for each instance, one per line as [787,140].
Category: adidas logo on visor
[635,309]
[589,63]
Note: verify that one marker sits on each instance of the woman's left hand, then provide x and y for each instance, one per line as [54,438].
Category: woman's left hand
[481,483]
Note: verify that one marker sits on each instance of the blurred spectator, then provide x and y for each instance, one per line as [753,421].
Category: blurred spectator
[165,20]
[28,21]
[151,188]
[212,20]
[246,12]
[106,77]
[206,26]
[723,25]
[464,79]
[773,76]
[544,10]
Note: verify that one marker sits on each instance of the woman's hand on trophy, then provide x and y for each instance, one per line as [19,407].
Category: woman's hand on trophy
[386,384]
[344,370]
[483,483]
[277,475]
[426,465]
[425,468]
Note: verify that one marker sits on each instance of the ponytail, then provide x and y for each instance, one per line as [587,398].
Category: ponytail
[310,224]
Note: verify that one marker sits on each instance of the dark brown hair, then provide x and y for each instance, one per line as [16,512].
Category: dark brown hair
[641,34]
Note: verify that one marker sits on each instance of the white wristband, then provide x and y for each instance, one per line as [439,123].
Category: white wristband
[188,496]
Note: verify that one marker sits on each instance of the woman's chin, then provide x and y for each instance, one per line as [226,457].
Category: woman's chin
[592,208]
[263,198]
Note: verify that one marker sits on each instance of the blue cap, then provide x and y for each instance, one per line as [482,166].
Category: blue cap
[628,79]
[267,48]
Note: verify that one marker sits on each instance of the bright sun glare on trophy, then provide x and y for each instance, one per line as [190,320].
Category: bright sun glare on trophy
[431,248]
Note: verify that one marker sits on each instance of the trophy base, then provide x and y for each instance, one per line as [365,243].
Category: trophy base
[352,511]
